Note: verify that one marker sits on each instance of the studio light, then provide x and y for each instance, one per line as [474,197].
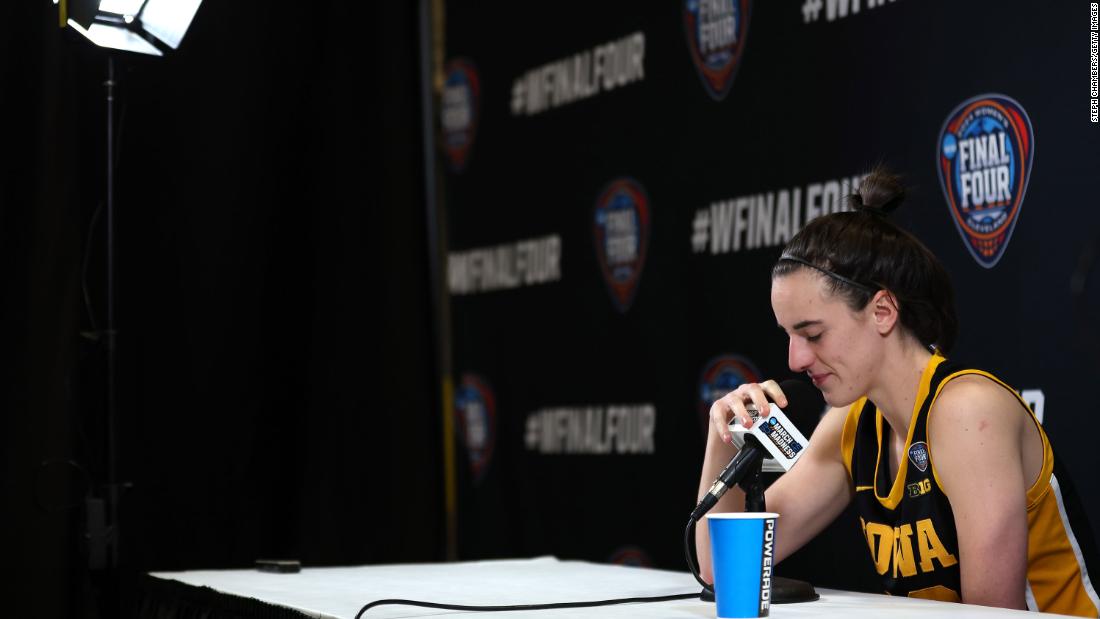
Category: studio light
[154,28]
[149,27]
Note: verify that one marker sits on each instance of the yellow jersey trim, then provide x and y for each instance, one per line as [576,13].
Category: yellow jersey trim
[848,434]
[897,491]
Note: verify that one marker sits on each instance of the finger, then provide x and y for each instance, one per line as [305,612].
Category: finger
[719,419]
[736,401]
[774,392]
[759,398]
[725,410]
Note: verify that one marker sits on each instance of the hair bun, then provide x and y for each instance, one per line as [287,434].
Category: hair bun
[880,192]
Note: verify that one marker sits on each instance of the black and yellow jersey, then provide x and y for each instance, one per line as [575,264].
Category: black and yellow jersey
[909,525]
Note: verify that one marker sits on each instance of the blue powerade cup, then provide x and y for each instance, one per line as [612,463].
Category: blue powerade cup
[743,555]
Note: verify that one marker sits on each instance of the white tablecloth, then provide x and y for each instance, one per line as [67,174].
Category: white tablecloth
[339,592]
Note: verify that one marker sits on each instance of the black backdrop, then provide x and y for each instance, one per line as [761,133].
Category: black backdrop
[813,102]
[275,390]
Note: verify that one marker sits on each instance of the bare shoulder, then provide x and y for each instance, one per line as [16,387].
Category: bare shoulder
[975,401]
[974,414]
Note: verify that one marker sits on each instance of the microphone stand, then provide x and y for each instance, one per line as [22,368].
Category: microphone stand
[784,590]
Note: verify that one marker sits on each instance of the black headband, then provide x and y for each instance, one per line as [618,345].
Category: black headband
[851,282]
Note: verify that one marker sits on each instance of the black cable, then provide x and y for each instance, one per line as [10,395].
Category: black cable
[688,535]
[665,598]
[661,598]
[688,530]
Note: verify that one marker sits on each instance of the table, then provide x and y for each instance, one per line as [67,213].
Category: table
[339,592]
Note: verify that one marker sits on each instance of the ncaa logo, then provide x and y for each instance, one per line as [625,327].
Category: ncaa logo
[716,31]
[475,408]
[984,160]
[461,96]
[720,376]
[622,235]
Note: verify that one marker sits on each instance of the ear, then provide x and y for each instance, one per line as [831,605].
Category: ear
[884,311]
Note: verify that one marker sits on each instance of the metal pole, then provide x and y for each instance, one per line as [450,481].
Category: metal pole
[112,456]
[431,83]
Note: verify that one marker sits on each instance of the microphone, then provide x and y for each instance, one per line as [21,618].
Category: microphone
[775,440]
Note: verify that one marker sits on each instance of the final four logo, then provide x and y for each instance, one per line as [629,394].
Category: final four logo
[475,408]
[918,455]
[984,158]
[716,31]
[722,375]
[461,96]
[622,236]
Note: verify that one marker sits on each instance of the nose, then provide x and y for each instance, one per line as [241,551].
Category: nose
[799,355]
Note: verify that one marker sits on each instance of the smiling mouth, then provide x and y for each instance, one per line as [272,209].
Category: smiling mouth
[818,378]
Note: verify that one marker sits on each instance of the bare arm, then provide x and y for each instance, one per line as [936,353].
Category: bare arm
[976,440]
[807,498]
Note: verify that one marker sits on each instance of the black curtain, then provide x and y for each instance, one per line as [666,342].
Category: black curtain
[276,390]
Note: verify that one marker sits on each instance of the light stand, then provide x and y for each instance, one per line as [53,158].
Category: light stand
[152,28]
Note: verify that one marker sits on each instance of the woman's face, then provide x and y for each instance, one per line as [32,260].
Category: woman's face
[837,347]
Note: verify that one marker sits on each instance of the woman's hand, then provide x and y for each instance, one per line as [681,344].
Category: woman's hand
[736,405]
[808,497]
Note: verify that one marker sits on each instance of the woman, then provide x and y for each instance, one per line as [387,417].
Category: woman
[951,472]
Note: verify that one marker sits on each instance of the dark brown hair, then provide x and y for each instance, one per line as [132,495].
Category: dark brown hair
[860,252]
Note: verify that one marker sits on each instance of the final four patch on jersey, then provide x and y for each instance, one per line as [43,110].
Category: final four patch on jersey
[716,32]
[918,455]
[622,237]
[984,160]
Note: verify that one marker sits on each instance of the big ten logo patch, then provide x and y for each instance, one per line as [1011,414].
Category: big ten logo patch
[919,488]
